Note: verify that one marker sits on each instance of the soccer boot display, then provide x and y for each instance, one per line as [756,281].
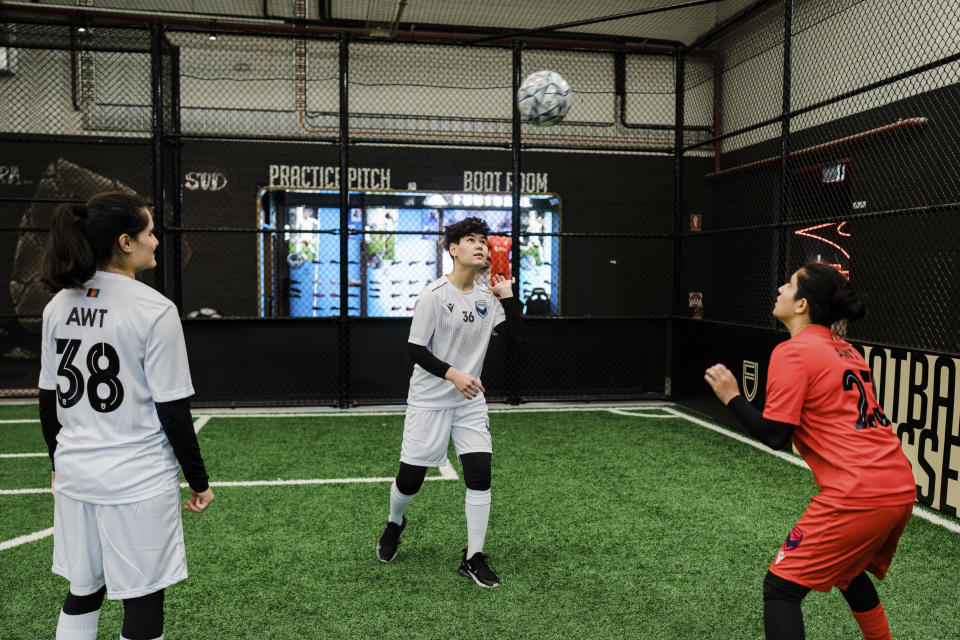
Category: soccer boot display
[387,547]
[477,570]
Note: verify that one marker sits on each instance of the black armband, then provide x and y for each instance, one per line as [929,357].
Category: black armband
[429,362]
[774,434]
[511,329]
[49,423]
[177,422]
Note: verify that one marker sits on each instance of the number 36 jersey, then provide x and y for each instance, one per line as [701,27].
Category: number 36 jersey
[456,327]
[820,383]
[111,350]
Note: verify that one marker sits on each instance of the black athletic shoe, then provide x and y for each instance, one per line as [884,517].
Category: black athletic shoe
[476,569]
[387,547]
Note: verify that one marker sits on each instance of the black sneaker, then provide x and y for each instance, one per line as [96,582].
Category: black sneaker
[476,569]
[387,547]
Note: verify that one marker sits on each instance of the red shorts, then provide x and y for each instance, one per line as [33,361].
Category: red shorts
[829,547]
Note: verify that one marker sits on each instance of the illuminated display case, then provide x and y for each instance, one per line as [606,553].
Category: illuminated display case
[394,249]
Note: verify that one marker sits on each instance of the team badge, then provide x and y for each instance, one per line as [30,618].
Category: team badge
[792,542]
[750,378]
[481,306]
[450,307]
[794,539]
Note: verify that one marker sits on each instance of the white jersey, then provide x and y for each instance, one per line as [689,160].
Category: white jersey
[456,327]
[111,350]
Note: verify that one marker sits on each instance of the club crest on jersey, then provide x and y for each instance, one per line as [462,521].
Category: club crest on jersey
[794,539]
[481,306]
[750,377]
[450,307]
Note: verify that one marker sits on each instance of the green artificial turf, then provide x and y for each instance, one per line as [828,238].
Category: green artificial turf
[602,526]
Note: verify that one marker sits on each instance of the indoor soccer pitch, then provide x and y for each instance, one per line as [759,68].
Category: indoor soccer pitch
[618,522]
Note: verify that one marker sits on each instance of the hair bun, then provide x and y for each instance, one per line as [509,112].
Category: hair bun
[80,211]
[847,303]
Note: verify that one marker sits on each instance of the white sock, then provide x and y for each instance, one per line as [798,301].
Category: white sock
[477,506]
[398,503]
[81,627]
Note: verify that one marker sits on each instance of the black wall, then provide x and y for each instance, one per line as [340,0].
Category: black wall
[297,361]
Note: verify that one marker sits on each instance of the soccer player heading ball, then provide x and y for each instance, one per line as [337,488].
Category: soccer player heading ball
[452,323]
[820,396]
[114,383]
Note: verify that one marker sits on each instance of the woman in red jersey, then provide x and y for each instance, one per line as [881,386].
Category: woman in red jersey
[820,396]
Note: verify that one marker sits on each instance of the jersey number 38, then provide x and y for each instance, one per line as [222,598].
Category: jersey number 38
[99,376]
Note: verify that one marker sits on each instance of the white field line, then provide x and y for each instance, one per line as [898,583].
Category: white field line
[200,422]
[621,412]
[21,421]
[30,537]
[789,457]
[447,472]
[347,413]
[17,492]
[919,510]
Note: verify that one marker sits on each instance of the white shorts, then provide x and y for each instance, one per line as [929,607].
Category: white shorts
[134,549]
[427,433]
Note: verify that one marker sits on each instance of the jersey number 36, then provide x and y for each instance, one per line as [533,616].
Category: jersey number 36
[99,375]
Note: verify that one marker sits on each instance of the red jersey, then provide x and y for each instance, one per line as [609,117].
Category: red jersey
[822,384]
[500,255]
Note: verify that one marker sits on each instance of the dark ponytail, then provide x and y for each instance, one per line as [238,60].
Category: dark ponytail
[829,294]
[83,237]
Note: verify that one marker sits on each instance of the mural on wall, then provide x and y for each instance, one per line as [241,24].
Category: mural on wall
[62,180]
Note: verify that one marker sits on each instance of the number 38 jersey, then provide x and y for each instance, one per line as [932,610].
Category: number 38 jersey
[111,350]
[820,383]
[456,327]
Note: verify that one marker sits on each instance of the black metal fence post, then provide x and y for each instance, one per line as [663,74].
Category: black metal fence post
[781,214]
[174,145]
[157,130]
[515,355]
[677,206]
[344,333]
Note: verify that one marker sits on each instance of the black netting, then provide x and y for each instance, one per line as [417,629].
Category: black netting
[868,185]
[286,221]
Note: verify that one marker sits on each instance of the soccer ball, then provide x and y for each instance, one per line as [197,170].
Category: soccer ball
[544,98]
[295,260]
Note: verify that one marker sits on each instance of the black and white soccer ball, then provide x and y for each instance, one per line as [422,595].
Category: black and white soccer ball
[544,98]
[296,260]
[204,313]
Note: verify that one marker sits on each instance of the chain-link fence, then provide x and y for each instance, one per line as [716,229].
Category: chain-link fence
[305,177]
[305,182]
[836,142]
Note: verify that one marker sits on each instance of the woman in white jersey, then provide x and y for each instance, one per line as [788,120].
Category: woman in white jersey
[452,324]
[114,383]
